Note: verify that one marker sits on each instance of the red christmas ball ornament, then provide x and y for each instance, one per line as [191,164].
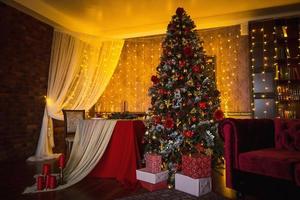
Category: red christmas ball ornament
[169,123]
[206,97]
[194,119]
[181,63]
[154,79]
[181,77]
[171,27]
[188,51]
[187,30]
[188,133]
[200,147]
[196,69]
[202,105]
[157,119]
[179,11]
[218,115]
[161,91]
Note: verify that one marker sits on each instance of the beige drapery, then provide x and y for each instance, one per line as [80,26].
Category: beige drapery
[78,74]
[90,142]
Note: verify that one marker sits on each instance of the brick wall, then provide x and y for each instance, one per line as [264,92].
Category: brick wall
[25,49]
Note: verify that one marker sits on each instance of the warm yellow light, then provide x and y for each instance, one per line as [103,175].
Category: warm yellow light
[49,101]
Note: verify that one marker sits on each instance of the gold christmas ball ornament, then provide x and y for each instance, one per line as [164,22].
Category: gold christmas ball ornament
[196,93]
[190,82]
[193,111]
[208,151]
[161,106]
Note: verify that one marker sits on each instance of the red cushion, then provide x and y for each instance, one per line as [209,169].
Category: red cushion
[270,162]
[287,134]
[297,174]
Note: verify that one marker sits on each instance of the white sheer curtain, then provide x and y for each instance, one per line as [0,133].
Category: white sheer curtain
[90,142]
[78,74]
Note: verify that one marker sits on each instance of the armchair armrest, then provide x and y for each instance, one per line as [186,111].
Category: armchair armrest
[242,135]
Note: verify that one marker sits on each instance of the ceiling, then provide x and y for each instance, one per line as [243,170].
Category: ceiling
[132,18]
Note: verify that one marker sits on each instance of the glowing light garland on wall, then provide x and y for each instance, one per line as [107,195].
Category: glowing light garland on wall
[276,76]
[264,69]
[140,57]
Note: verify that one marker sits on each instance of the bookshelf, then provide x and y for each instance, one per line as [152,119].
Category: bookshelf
[275,66]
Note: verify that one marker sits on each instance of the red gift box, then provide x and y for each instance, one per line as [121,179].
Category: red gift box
[153,162]
[196,166]
[152,187]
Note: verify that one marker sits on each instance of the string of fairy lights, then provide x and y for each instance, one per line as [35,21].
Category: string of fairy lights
[140,57]
[270,66]
[264,68]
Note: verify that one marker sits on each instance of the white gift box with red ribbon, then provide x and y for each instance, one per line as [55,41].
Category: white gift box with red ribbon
[196,187]
[144,175]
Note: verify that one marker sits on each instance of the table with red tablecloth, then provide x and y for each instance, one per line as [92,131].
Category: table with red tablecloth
[123,153]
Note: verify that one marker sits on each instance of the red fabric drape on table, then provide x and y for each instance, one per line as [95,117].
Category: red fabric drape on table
[122,156]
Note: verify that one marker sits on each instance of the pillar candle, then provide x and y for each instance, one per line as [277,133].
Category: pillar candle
[52,182]
[61,161]
[47,181]
[46,169]
[40,183]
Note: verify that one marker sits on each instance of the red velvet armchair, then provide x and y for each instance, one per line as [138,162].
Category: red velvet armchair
[263,147]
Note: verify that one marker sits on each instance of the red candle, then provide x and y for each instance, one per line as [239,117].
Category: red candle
[46,169]
[40,184]
[52,182]
[47,185]
[61,161]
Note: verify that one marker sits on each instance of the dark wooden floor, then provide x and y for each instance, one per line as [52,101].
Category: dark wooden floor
[15,177]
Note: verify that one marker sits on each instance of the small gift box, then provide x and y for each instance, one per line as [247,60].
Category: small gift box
[153,187]
[145,175]
[196,166]
[153,162]
[196,187]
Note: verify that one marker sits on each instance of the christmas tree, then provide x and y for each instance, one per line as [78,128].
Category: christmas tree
[185,102]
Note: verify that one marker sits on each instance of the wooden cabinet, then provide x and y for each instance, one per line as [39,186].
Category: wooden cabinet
[275,66]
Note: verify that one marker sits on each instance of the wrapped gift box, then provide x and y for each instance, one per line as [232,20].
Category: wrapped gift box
[196,187]
[153,162]
[145,175]
[196,166]
[153,187]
